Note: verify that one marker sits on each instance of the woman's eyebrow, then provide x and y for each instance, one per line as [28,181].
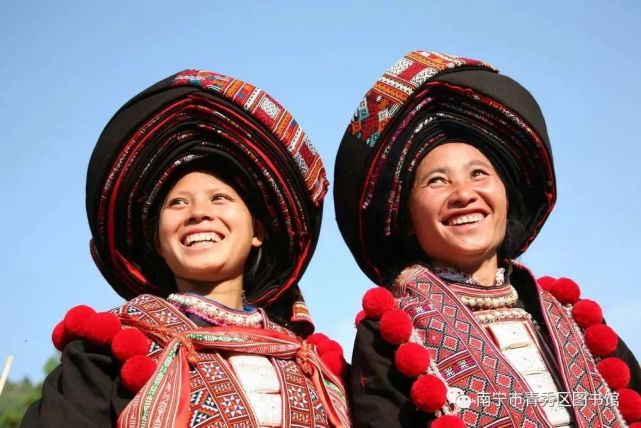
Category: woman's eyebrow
[477,162]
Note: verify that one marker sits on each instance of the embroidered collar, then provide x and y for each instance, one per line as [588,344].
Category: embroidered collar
[476,295]
[216,313]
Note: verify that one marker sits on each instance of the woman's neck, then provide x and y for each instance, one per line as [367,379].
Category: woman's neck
[484,271]
[228,293]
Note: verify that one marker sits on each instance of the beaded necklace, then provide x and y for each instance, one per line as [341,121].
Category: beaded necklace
[214,312]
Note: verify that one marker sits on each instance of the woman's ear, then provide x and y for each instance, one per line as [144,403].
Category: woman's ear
[259,234]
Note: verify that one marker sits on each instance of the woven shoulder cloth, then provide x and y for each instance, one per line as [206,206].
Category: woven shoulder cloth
[190,367]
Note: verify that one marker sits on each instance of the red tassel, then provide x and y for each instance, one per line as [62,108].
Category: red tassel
[566,291]
[587,313]
[101,327]
[75,320]
[128,343]
[377,301]
[448,421]
[412,359]
[59,336]
[395,326]
[630,404]
[615,372]
[428,393]
[136,371]
[601,340]
[360,316]
[545,282]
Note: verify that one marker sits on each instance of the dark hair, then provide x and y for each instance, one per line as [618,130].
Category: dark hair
[154,266]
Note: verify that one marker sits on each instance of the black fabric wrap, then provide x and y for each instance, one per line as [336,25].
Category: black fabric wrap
[524,165]
[197,130]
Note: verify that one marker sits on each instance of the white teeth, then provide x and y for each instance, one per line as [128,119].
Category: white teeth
[201,238]
[464,219]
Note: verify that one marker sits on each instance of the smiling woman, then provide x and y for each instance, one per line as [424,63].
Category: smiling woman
[458,209]
[205,235]
[443,179]
[204,199]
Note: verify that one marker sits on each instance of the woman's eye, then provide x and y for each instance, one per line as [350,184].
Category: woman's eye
[436,180]
[176,201]
[478,173]
[220,197]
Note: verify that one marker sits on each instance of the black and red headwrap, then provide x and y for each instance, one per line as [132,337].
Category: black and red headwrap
[423,100]
[204,119]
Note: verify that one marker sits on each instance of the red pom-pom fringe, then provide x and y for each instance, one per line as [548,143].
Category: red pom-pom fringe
[377,301]
[136,372]
[316,339]
[630,404]
[335,363]
[448,421]
[59,336]
[545,282]
[566,291]
[635,425]
[329,346]
[360,316]
[76,319]
[587,313]
[129,342]
[428,393]
[101,327]
[615,372]
[395,326]
[601,340]
[412,359]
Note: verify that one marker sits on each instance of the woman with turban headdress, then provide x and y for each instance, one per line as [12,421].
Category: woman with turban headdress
[204,199]
[443,178]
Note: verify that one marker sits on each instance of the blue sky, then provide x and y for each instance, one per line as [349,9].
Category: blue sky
[68,66]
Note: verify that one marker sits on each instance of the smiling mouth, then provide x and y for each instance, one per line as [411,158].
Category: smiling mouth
[201,238]
[464,219]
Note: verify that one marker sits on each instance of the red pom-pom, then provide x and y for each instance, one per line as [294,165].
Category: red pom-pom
[76,319]
[635,425]
[101,328]
[630,404]
[360,316]
[565,290]
[601,340]
[448,421]
[136,372]
[329,346]
[428,393]
[395,327]
[545,282]
[59,336]
[615,372]
[316,339]
[586,313]
[412,359]
[335,363]
[128,343]
[377,301]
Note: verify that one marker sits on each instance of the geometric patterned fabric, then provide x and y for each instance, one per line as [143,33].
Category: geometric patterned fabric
[466,358]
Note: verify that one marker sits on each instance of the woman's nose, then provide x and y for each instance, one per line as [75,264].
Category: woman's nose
[462,195]
[201,211]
